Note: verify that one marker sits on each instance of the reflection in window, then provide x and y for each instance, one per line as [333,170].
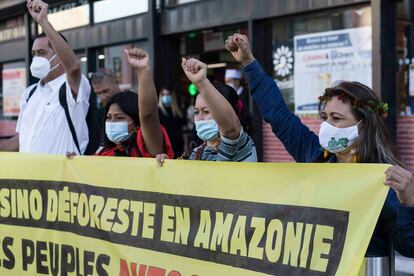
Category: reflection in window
[105,10]
[83,62]
[115,58]
[12,28]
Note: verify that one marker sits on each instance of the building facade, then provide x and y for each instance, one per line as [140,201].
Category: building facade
[290,39]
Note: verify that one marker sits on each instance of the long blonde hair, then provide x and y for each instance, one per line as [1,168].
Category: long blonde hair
[176,112]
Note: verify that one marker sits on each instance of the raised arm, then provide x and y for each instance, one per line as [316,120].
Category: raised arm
[301,143]
[67,57]
[147,101]
[221,110]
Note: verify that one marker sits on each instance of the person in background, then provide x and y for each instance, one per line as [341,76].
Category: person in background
[104,84]
[216,120]
[42,126]
[173,120]
[132,126]
[191,134]
[233,78]
[353,131]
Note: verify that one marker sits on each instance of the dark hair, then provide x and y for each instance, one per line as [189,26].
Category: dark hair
[374,144]
[231,96]
[42,35]
[128,103]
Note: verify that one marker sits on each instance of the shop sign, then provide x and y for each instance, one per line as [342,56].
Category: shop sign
[213,41]
[326,57]
[68,6]
[62,16]
[283,61]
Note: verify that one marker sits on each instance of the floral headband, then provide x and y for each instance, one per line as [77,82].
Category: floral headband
[372,106]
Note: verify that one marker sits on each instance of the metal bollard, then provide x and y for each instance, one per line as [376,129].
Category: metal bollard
[378,266]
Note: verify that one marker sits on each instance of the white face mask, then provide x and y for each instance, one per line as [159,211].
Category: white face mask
[335,139]
[40,67]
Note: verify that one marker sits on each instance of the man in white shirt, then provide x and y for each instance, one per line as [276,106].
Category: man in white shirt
[42,126]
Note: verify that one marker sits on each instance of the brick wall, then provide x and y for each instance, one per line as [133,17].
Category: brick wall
[274,151]
[405,140]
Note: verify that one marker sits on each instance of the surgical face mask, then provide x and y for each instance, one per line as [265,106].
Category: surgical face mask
[40,67]
[166,100]
[117,132]
[207,130]
[335,139]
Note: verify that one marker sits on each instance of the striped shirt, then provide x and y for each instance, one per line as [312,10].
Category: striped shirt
[240,150]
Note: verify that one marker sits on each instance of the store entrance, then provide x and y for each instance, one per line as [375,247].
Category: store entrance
[208,47]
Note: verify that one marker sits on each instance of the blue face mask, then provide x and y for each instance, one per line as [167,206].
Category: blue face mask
[117,132]
[207,129]
[166,100]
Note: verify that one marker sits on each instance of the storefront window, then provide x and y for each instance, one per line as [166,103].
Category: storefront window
[12,28]
[114,58]
[13,84]
[83,62]
[312,52]
[106,10]
[62,16]
[405,74]
[208,46]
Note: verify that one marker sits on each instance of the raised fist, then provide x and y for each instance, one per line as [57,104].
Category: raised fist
[195,70]
[38,10]
[137,58]
[238,45]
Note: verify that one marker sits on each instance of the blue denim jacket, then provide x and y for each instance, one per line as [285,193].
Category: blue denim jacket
[396,222]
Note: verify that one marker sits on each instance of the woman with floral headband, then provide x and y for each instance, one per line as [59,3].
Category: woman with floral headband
[352,131]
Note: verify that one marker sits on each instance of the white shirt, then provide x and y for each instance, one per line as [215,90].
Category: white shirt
[42,123]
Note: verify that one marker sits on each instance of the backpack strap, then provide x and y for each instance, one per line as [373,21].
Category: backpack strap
[31,93]
[64,103]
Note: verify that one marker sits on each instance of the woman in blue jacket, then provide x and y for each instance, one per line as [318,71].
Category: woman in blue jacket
[352,131]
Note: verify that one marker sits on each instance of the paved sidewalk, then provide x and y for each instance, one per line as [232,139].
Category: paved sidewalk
[404,266]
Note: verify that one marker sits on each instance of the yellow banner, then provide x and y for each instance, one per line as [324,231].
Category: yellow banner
[128,217]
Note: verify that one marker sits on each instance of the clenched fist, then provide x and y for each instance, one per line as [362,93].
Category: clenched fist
[238,45]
